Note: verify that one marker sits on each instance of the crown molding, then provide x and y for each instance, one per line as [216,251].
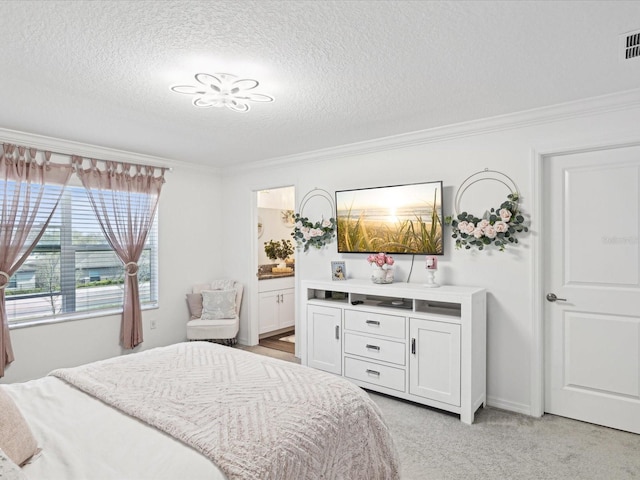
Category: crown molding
[70,147]
[580,108]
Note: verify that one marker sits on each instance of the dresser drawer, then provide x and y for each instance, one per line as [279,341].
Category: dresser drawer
[373,373]
[374,348]
[378,323]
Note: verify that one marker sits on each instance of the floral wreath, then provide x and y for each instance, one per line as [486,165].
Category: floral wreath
[316,234]
[498,226]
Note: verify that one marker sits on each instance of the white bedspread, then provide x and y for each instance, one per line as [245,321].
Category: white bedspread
[256,417]
[83,439]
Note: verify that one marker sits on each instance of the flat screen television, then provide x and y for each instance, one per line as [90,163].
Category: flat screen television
[393,219]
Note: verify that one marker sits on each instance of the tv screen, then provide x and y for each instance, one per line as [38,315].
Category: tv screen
[394,219]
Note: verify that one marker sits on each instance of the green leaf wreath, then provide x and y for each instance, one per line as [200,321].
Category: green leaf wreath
[311,234]
[498,226]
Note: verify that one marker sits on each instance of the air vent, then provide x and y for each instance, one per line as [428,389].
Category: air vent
[630,45]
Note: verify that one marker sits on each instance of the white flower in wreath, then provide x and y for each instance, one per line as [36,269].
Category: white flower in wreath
[490,231]
[505,214]
[326,223]
[478,233]
[501,227]
[483,223]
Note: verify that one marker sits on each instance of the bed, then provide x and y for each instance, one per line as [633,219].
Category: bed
[199,410]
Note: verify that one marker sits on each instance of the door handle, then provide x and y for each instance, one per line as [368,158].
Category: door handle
[551,297]
[337,332]
[413,346]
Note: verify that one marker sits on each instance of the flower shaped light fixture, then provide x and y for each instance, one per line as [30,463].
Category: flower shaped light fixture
[223,90]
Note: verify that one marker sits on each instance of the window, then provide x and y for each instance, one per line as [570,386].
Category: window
[74,271]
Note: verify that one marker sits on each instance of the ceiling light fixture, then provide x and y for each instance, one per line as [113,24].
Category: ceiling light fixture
[223,90]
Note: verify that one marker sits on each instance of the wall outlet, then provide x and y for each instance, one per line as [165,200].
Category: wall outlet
[154,324]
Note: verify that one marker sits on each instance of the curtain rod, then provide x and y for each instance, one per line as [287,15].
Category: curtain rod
[167,169]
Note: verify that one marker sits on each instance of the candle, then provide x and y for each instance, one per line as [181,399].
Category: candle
[432,263]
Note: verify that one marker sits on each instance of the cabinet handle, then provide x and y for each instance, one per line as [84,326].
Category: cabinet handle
[373,322]
[337,332]
[413,346]
[282,298]
[373,347]
[373,372]
[277,298]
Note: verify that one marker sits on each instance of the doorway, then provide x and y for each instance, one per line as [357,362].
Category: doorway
[591,279]
[276,269]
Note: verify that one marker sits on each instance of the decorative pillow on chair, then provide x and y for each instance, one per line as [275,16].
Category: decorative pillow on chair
[218,304]
[16,439]
[194,302]
[222,284]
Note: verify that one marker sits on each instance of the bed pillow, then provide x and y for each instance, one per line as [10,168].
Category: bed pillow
[8,469]
[16,439]
[218,304]
[194,302]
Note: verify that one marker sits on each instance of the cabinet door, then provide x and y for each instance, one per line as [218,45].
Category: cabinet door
[269,306]
[324,334]
[434,360]
[287,308]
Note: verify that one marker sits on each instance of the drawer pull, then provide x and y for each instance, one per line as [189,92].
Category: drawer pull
[373,322]
[373,372]
[373,347]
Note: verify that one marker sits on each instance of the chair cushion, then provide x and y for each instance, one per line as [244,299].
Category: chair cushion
[16,439]
[217,304]
[212,329]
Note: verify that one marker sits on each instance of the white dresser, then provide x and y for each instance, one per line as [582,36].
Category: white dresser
[427,345]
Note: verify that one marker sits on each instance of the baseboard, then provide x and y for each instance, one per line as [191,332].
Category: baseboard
[510,406]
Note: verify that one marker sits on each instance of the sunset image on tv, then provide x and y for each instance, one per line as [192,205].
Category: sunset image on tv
[397,219]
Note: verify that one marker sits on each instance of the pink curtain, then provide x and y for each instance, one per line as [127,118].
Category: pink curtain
[125,204]
[30,193]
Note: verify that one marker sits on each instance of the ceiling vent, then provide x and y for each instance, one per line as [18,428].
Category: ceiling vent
[630,45]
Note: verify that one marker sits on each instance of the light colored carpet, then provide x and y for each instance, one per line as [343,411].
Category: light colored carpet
[500,445]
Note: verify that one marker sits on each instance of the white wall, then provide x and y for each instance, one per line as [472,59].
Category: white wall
[190,247]
[273,229]
[506,144]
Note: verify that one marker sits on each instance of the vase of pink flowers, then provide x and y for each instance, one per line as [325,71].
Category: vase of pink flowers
[382,265]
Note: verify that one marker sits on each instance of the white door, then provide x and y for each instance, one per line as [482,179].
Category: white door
[324,338]
[269,305]
[591,264]
[287,308]
[434,362]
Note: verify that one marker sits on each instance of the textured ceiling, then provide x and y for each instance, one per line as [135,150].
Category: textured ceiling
[99,72]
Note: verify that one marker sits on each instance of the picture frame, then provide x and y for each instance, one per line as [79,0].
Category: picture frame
[338,271]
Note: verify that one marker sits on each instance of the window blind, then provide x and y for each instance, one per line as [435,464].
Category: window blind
[73,270]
